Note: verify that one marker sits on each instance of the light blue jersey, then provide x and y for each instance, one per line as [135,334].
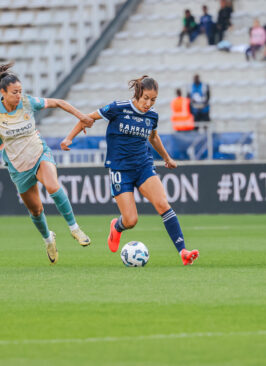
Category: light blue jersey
[22,143]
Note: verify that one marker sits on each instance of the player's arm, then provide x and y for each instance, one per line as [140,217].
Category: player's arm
[157,144]
[60,103]
[77,129]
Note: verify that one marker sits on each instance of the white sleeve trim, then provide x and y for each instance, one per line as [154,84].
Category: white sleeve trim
[106,119]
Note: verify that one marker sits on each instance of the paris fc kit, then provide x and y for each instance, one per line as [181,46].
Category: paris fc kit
[128,153]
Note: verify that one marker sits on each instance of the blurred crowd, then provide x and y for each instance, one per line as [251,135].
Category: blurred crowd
[214,31]
[193,107]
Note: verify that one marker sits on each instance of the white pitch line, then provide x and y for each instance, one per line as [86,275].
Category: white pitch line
[132,338]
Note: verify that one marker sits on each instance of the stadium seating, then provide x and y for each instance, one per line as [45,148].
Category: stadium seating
[39,35]
[47,38]
[147,45]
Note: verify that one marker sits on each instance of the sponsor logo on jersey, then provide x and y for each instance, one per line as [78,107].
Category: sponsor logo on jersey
[127,117]
[134,131]
[19,131]
[137,119]
[127,111]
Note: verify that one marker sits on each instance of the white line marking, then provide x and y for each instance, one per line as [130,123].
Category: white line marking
[132,338]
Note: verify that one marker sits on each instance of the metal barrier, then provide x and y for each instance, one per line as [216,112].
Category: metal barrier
[79,157]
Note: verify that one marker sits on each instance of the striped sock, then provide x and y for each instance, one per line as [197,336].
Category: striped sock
[119,225]
[173,228]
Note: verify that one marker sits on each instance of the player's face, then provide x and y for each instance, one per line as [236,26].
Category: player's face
[12,95]
[147,100]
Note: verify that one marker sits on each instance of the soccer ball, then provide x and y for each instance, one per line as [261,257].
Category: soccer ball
[134,254]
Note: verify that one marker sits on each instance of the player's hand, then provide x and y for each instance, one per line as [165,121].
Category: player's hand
[170,164]
[84,126]
[87,121]
[65,143]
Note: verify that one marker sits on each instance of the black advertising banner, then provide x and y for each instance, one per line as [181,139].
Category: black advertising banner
[192,189]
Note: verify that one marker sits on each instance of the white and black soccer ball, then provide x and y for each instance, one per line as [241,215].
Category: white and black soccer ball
[134,254]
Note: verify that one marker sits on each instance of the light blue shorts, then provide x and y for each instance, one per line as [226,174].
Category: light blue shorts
[24,180]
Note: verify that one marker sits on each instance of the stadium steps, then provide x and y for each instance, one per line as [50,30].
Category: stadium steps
[147,45]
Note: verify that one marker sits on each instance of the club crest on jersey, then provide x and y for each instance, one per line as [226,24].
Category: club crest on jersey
[148,122]
[118,187]
[26,116]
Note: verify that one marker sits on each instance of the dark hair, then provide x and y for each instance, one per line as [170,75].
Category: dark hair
[179,92]
[7,77]
[145,82]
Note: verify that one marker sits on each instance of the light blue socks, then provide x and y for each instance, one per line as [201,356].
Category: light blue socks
[41,224]
[64,206]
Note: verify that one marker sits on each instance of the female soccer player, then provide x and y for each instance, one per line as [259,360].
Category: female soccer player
[29,159]
[131,124]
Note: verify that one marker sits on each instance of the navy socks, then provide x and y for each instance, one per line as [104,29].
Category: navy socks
[173,228]
[119,225]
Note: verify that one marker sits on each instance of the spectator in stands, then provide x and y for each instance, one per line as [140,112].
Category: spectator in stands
[182,119]
[223,19]
[130,125]
[190,28]
[257,39]
[199,94]
[29,159]
[207,26]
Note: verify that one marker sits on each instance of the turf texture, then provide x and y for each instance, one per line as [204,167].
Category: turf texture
[90,309]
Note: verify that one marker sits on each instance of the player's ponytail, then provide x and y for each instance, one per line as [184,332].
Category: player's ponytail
[7,77]
[145,82]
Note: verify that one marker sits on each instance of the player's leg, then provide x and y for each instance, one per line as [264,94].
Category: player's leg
[122,188]
[47,175]
[153,190]
[32,201]
[127,220]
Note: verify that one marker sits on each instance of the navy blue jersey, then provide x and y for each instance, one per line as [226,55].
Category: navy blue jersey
[127,135]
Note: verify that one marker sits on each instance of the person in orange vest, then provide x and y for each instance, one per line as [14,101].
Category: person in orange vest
[182,119]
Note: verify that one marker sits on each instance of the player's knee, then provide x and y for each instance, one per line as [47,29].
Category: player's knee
[162,206]
[36,211]
[52,188]
[130,222]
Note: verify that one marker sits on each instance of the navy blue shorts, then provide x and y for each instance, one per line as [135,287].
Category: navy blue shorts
[125,180]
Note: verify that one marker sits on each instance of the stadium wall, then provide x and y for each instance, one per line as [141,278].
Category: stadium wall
[191,189]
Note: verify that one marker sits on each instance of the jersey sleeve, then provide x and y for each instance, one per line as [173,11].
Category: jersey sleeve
[155,123]
[108,112]
[37,103]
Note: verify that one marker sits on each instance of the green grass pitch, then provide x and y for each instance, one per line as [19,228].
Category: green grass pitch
[90,309]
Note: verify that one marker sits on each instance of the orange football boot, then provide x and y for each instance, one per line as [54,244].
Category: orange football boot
[188,257]
[114,237]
